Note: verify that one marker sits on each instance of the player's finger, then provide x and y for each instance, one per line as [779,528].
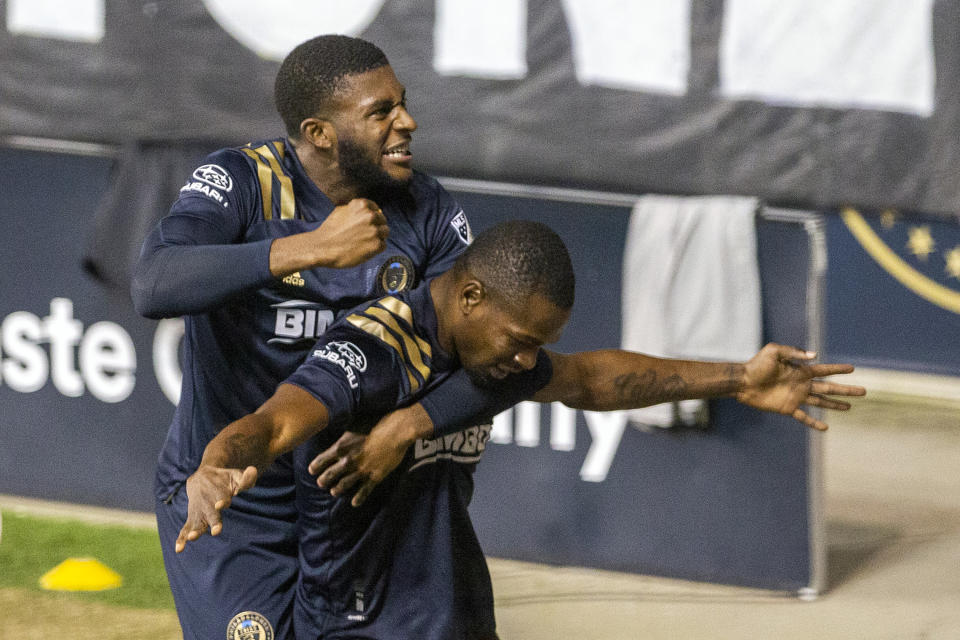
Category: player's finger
[247,480]
[346,483]
[785,352]
[803,417]
[821,370]
[833,389]
[817,400]
[213,520]
[188,533]
[363,493]
[334,472]
[322,461]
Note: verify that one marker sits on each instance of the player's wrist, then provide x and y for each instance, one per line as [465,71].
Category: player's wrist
[415,424]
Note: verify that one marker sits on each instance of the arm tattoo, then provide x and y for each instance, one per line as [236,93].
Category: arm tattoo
[642,389]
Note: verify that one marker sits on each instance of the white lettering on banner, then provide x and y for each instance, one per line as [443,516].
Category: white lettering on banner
[166,357]
[642,45]
[106,356]
[26,367]
[108,361]
[64,333]
[526,429]
[868,54]
[77,20]
[606,430]
[563,427]
[875,54]
[273,29]
[481,38]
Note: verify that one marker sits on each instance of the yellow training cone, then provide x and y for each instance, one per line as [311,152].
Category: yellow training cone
[80,574]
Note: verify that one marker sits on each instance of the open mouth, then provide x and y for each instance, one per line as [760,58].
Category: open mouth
[399,152]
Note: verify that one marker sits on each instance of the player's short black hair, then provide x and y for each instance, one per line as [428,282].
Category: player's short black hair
[312,72]
[519,258]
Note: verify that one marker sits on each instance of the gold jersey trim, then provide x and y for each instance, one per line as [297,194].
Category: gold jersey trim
[402,310]
[380,331]
[268,168]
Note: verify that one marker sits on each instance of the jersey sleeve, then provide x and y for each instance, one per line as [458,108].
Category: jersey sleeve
[195,258]
[354,375]
[450,236]
[457,402]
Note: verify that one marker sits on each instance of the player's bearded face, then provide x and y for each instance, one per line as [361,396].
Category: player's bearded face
[368,178]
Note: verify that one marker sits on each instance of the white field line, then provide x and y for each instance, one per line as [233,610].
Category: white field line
[82,512]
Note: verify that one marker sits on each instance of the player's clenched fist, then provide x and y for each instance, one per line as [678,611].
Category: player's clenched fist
[352,233]
[209,491]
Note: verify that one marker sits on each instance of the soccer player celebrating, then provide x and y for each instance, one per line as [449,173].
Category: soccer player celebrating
[266,245]
[406,564]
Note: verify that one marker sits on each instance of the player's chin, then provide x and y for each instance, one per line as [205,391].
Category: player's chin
[399,171]
[482,377]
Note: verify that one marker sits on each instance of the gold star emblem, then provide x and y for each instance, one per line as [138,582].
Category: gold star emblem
[888,218]
[920,242]
[953,262]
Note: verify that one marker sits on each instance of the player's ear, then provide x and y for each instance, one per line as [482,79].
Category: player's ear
[318,132]
[472,295]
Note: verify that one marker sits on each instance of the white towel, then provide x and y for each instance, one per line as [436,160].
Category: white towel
[691,288]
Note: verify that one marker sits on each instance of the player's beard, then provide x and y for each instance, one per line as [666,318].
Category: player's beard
[482,379]
[368,179]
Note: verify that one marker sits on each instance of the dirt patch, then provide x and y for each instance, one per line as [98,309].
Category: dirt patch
[29,615]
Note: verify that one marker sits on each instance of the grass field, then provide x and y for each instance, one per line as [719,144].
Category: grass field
[141,608]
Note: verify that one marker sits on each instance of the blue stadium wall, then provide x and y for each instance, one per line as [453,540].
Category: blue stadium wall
[84,409]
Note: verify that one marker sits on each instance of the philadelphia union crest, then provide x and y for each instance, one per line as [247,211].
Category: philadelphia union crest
[395,275]
[249,625]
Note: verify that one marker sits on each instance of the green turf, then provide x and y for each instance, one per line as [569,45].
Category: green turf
[31,546]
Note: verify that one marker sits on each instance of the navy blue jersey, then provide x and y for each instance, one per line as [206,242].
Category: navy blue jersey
[407,563]
[238,346]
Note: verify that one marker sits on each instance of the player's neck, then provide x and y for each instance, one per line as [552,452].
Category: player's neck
[324,173]
[441,293]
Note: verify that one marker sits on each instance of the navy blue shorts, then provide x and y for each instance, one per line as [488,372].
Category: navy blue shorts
[240,581]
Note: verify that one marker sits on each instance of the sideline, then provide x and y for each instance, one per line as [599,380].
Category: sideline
[82,512]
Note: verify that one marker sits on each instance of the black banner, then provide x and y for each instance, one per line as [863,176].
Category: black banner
[802,103]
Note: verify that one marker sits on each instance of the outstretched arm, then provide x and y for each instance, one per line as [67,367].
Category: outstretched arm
[234,458]
[776,379]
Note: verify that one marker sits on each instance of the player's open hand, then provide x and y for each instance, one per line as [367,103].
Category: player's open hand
[209,491]
[352,233]
[778,379]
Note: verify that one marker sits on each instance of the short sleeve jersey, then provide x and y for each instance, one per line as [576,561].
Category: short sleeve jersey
[406,563]
[237,352]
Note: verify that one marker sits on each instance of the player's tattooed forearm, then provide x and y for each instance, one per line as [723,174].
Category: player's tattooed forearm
[641,389]
[732,375]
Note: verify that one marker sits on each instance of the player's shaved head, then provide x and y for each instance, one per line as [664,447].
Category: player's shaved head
[311,74]
[517,259]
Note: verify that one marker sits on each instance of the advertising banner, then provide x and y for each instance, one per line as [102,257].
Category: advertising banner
[810,103]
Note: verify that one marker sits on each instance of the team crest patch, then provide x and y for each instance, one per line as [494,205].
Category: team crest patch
[215,176]
[249,625]
[462,227]
[395,275]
